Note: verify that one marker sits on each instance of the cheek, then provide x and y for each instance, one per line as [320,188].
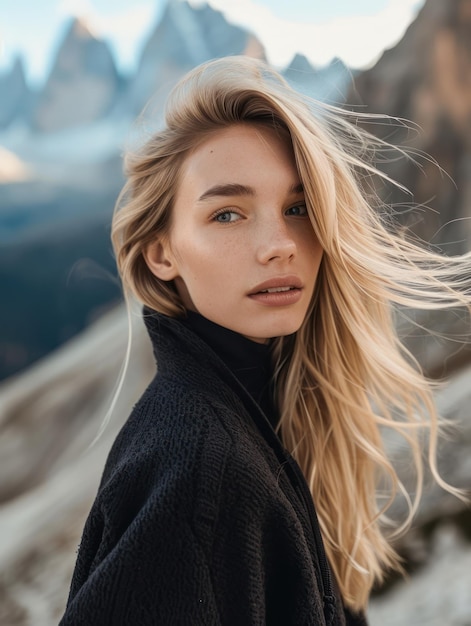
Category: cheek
[184,248]
[195,260]
[311,247]
[199,254]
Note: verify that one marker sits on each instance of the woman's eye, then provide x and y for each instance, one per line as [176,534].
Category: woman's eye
[226,216]
[299,210]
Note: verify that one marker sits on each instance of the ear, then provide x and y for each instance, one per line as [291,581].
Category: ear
[160,260]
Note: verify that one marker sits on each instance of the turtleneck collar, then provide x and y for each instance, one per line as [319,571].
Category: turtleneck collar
[248,360]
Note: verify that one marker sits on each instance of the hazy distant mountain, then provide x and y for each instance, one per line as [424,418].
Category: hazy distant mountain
[83,84]
[186,36]
[15,95]
[62,217]
[330,83]
[84,114]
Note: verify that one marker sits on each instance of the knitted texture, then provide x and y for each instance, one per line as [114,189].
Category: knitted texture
[201,517]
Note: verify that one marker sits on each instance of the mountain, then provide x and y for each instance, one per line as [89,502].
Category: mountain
[17,97]
[83,84]
[186,36]
[82,121]
[426,78]
[329,84]
[85,91]
[80,124]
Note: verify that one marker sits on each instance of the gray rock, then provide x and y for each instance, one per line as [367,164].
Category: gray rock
[439,594]
[426,79]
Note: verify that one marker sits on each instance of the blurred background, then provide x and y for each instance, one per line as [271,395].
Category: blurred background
[75,78]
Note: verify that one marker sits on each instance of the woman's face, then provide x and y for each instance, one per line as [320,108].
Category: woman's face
[241,248]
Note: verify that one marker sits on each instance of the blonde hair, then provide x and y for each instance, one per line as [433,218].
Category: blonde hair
[344,375]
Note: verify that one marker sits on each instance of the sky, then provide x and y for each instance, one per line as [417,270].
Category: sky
[357,31]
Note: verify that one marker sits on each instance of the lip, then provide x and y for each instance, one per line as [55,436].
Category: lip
[278,298]
[279,281]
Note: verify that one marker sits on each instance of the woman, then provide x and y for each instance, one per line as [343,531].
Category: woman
[243,488]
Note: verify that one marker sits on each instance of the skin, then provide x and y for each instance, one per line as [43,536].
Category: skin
[240,220]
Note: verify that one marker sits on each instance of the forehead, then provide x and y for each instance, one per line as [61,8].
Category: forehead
[241,153]
[238,134]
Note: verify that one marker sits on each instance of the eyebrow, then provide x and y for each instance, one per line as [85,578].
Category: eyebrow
[236,189]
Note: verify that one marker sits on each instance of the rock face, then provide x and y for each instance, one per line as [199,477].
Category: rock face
[185,37]
[437,550]
[16,97]
[48,473]
[426,78]
[83,83]
[438,594]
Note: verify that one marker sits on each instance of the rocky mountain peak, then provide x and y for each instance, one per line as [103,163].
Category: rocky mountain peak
[15,93]
[329,83]
[299,63]
[79,28]
[185,36]
[83,83]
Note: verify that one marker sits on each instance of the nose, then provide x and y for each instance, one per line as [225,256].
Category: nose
[275,242]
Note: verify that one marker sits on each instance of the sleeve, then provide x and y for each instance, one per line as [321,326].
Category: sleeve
[140,561]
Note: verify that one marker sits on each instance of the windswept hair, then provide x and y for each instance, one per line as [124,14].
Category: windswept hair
[344,376]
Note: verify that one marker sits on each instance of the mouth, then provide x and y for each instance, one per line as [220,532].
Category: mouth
[278,292]
[280,284]
[277,289]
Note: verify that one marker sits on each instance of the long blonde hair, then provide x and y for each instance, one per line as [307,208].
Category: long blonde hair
[344,376]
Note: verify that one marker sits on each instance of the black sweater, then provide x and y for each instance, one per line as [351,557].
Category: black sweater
[202,517]
[249,361]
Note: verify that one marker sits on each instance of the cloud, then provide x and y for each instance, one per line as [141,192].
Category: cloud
[128,27]
[77,8]
[357,39]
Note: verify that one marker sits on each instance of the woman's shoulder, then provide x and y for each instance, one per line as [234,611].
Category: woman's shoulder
[182,440]
[170,425]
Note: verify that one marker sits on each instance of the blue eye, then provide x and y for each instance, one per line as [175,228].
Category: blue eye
[299,210]
[225,217]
